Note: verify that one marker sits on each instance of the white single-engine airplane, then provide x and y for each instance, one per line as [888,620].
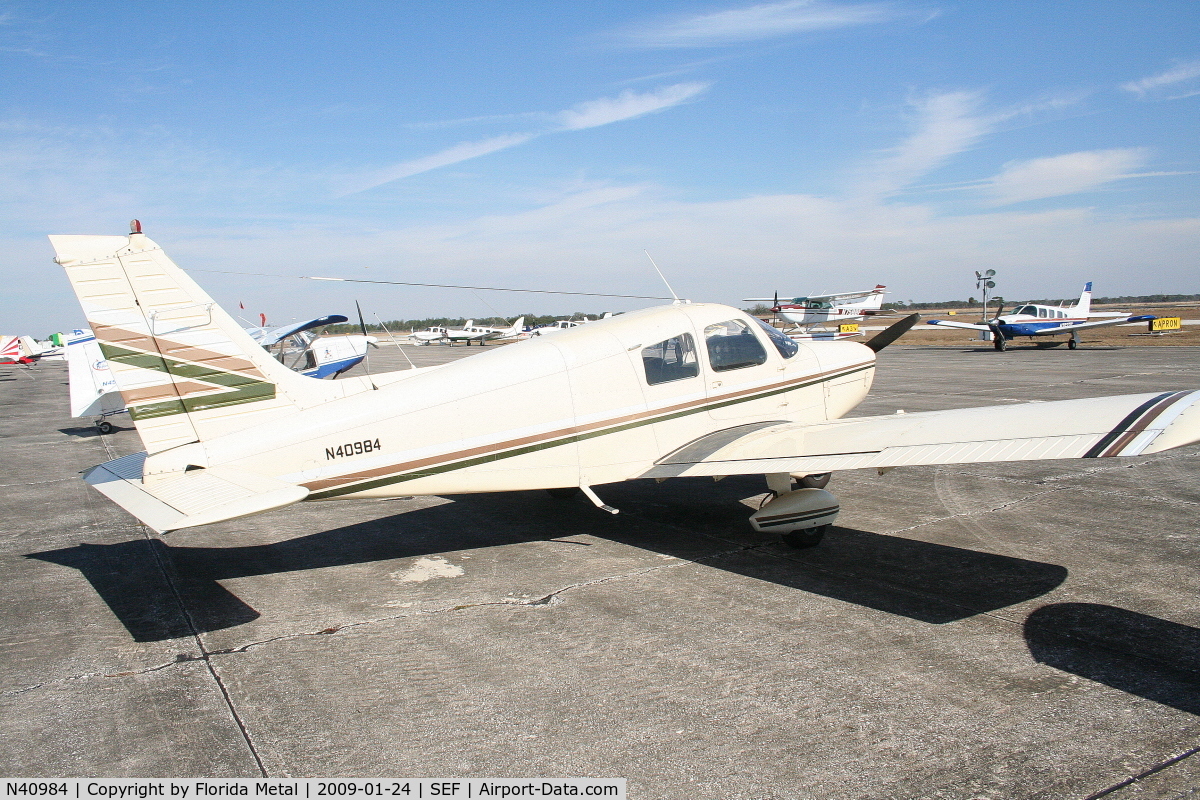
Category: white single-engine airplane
[467,333]
[809,315]
[678,390]
[1035,320]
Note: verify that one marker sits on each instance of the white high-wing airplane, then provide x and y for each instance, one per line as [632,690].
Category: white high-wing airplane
[678,390]
[315,356]
[809,315]
[1035,320]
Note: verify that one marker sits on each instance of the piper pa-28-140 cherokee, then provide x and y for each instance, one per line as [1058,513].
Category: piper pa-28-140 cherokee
[679,390]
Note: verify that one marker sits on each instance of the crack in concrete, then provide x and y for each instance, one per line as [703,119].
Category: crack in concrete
[1170,762]
[979,513]
[543,601]
[36,483]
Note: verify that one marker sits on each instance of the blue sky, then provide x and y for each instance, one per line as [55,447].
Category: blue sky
[799,146]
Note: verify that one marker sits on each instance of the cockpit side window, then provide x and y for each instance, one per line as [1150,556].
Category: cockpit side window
[671,360]
[732,345]
[786,347]
[1041,312]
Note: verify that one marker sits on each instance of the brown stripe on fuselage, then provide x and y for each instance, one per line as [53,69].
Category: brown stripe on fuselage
[1136,428]
[183,352]
[378,472]
[166,391]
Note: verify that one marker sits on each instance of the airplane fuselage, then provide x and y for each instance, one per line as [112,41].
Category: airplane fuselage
[807,315]
[575,409]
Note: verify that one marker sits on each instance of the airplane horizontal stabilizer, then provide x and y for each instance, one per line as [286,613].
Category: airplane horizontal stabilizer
[952,323]
[1100,427]
[197,497]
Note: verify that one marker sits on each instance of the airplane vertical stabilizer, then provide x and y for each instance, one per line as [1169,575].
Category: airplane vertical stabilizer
[1084,307]
[185,369]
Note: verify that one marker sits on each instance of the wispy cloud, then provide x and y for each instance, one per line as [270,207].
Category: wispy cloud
[1153,86]
[761,21]
[451,155]
[943,125]
[1066,174]
[591,114]
[627,105]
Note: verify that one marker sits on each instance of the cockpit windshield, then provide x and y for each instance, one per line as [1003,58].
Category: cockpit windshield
[786,347]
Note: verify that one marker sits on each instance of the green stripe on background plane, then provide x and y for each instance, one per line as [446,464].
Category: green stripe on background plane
[245,388]
[579,437]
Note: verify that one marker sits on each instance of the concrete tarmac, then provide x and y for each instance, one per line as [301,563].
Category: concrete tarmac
[1026,630]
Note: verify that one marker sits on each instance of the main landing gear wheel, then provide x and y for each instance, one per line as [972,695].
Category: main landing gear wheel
[809,537]
[1072,344]
[563,493]
[1000,343]
[104,426]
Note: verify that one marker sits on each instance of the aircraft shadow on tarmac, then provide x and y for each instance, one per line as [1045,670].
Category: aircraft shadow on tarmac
[697,522]
[1135,653]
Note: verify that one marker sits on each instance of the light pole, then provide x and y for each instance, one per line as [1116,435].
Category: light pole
[984,282]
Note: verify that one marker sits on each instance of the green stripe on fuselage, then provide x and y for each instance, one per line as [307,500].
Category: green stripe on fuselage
[579,437]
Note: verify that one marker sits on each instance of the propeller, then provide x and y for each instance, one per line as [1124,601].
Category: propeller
[892,332]
[362,326]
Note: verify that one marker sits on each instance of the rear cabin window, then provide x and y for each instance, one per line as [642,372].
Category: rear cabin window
[732,345]
[671,360]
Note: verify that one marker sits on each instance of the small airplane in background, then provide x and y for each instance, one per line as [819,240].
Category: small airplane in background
[94,393]
[23,350]
[1035,320]
[687,389]
[467,333]
[810,314]
[561,325]
[315,356]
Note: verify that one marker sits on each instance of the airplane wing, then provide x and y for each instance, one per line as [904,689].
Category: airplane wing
[1097,324]
[1098,427]
[268,338]
[953,323]
[829,297]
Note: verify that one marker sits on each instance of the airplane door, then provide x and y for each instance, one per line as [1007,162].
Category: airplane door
[739,373]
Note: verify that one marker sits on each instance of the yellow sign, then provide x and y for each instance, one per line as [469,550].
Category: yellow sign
[1165,324]
[848,327]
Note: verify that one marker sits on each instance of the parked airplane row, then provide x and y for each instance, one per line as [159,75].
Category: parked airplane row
[810,315]
[687,389]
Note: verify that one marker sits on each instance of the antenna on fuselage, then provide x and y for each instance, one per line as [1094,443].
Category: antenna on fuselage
[664,277]
[393,338]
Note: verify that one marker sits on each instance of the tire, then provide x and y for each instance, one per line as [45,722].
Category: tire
[999,343]
[563,493]
[104,426]
[818,481]
[1072,344]
[809,537]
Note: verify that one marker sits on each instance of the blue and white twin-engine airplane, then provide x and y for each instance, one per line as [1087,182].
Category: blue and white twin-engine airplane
[1035,320]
